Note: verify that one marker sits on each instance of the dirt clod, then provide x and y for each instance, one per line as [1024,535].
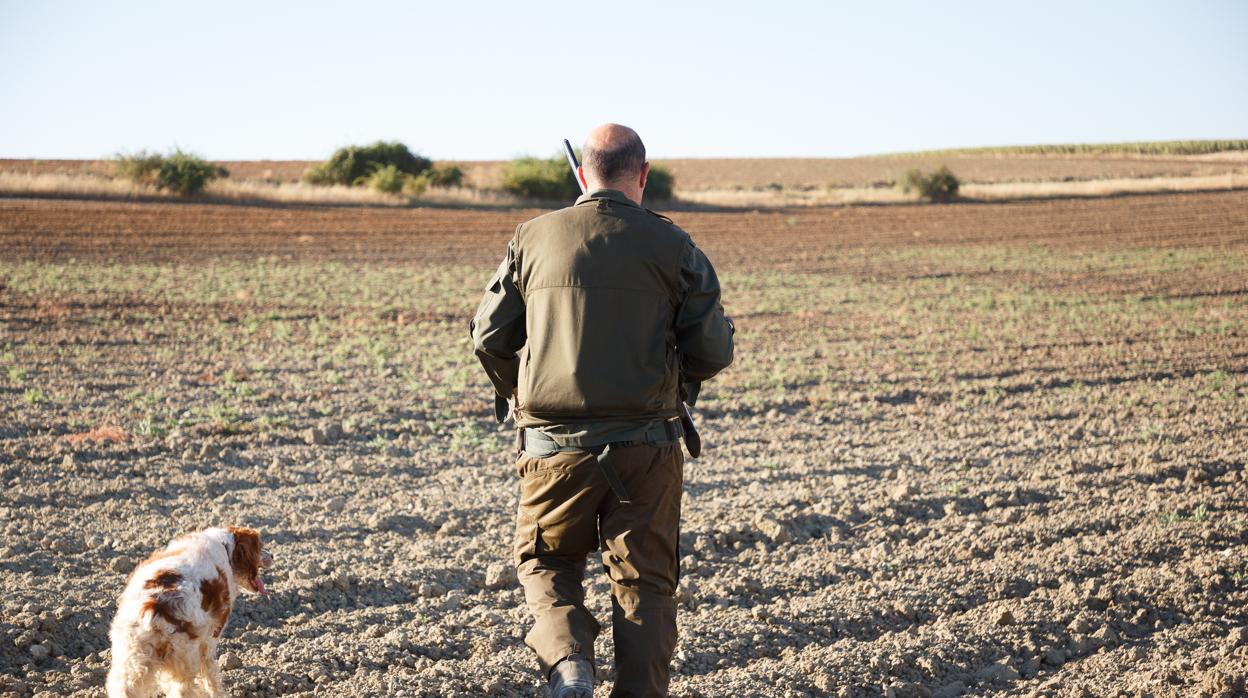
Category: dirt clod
[773,530]
[230,661]
[500,576]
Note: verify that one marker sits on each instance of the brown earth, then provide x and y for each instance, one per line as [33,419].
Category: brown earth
[810,239]
[993,449]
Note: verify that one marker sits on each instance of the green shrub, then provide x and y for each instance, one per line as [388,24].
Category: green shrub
[536,178]
[446,176]
[911,180]
[384,178]
[185,173]
[553,179]
[353,163]
[415,186]
[141,167]
[659,184]
[182,172]
[940,186]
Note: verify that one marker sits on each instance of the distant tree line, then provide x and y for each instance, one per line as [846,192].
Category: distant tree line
[387,166]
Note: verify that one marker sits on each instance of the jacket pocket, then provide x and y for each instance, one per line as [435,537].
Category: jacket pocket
[522,380]
[671,371]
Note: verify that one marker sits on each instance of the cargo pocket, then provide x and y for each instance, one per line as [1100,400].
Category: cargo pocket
[528,533]
[524,545]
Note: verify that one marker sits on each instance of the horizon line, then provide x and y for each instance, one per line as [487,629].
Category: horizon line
[1234,145]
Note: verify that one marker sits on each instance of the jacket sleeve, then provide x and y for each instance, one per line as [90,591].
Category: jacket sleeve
[703,332]
[498,331]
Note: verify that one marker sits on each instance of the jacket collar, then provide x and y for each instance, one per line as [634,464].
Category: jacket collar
[613,195]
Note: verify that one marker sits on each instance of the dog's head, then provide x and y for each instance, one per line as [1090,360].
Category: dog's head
[247,558]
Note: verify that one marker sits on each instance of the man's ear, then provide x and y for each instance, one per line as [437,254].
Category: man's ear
[645,174]
[580,174]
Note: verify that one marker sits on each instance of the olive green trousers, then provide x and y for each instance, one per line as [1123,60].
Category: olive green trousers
[567,510]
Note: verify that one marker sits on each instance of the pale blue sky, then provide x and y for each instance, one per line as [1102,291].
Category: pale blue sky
[464,80]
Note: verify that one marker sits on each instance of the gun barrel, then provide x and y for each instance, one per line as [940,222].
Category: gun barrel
[567,150]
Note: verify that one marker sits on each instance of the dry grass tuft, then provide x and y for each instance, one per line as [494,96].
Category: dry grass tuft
[74,185]
[301,193]
[467,196]
[95,186]
[88,185]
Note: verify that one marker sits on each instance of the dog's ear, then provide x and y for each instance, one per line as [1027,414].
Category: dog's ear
[246,556]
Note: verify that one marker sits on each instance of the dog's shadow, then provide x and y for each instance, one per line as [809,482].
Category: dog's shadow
[329,595]
[401,524]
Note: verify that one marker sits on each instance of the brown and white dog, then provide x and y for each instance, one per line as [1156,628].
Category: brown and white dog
[174,607]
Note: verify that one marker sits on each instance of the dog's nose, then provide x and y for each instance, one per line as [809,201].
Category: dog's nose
[266,558]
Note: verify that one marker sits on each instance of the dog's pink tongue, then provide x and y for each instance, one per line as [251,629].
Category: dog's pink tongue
[258,583]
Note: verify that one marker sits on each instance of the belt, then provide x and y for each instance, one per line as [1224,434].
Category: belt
[539,445]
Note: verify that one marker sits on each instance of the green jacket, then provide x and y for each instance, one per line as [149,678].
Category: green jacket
[599,313]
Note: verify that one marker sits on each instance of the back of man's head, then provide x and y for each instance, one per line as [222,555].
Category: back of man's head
[613,154]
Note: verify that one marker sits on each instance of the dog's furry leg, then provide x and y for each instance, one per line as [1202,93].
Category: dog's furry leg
[189,689]
[210,673]
[130,682]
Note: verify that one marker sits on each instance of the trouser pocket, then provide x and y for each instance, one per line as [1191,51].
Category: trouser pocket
[559,499]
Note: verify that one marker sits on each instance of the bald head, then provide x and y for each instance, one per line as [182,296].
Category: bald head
[614,156]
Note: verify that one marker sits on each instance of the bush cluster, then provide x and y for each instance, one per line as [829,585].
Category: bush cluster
[139,167]
[179,171]
[415,186]
[384,178]
[940,186]
[387,167]
[537,178]
[359,164]
[659,184]
[446,176]
[553,179]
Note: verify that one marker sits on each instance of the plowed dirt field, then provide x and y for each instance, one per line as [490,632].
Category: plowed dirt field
[987,449]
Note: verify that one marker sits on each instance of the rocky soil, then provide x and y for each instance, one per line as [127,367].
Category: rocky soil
[967,450]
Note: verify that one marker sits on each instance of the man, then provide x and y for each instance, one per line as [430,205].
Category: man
[601,315]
